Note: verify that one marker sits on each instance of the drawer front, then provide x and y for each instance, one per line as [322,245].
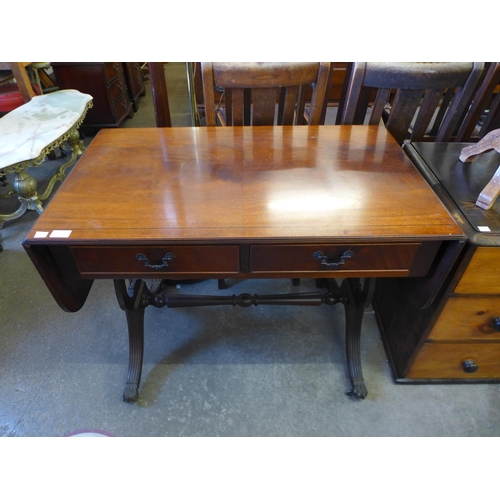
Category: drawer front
[116,90]
[199,259]
[471,318]
[328,258]
[121,108]
[134,73]
[446,360]
[482,274]
[112,70]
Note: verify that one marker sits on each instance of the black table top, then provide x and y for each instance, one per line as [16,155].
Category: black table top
[464,181]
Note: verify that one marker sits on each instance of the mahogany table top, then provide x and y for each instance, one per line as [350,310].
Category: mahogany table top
[244,183]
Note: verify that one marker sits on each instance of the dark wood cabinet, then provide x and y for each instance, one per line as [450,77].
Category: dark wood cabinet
[455,337]
[135,82]
[106,83]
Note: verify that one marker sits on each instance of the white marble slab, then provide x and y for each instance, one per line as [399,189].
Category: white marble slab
[26,130]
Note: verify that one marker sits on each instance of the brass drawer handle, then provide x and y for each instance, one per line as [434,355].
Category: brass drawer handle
[469,366]
[324,259]
[168,256]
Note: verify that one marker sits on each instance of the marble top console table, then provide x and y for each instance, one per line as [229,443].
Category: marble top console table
[29,133]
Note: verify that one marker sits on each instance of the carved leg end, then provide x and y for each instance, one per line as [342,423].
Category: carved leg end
[131,393]
[358,390]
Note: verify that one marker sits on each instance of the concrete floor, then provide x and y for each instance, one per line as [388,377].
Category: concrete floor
[207,371]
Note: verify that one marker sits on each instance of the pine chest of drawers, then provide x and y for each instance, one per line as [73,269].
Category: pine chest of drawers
[447,328]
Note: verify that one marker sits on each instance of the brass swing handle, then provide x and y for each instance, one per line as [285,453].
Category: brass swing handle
[324,259]
[168,256]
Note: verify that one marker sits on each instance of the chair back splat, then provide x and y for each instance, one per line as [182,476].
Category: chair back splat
[417,101]
[483,115]
[271,93]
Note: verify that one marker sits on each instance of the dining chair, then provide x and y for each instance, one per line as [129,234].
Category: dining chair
[483,114]
[265,93]
[417,101]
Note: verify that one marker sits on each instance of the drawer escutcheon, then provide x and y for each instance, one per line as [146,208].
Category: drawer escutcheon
[324,262]
[168,256]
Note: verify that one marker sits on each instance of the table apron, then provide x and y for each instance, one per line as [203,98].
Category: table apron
[254,260]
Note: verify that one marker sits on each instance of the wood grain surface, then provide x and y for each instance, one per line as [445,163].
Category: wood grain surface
[245,183]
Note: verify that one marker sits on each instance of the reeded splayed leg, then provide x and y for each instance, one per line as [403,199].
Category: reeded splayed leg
[359,297]
[135,322]
[134,310]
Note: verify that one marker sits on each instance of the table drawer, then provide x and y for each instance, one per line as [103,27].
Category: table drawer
[471,318]
[446,360]
[483,272]
[317,258]
[170,259]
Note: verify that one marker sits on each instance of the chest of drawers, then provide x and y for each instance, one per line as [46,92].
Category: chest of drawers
[106,83]
[456,338]
[135,82]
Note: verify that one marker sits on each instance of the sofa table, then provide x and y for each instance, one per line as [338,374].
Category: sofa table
[321,202]
[456,338]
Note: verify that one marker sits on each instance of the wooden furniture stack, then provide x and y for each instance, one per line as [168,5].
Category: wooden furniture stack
[115,94]
[22,79]
[455,336]
[13,95]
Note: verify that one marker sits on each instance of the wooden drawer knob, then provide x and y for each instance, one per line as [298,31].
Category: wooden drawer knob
[496,324]
[469,366]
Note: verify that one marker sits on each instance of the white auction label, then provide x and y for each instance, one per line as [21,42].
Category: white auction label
[60,233]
